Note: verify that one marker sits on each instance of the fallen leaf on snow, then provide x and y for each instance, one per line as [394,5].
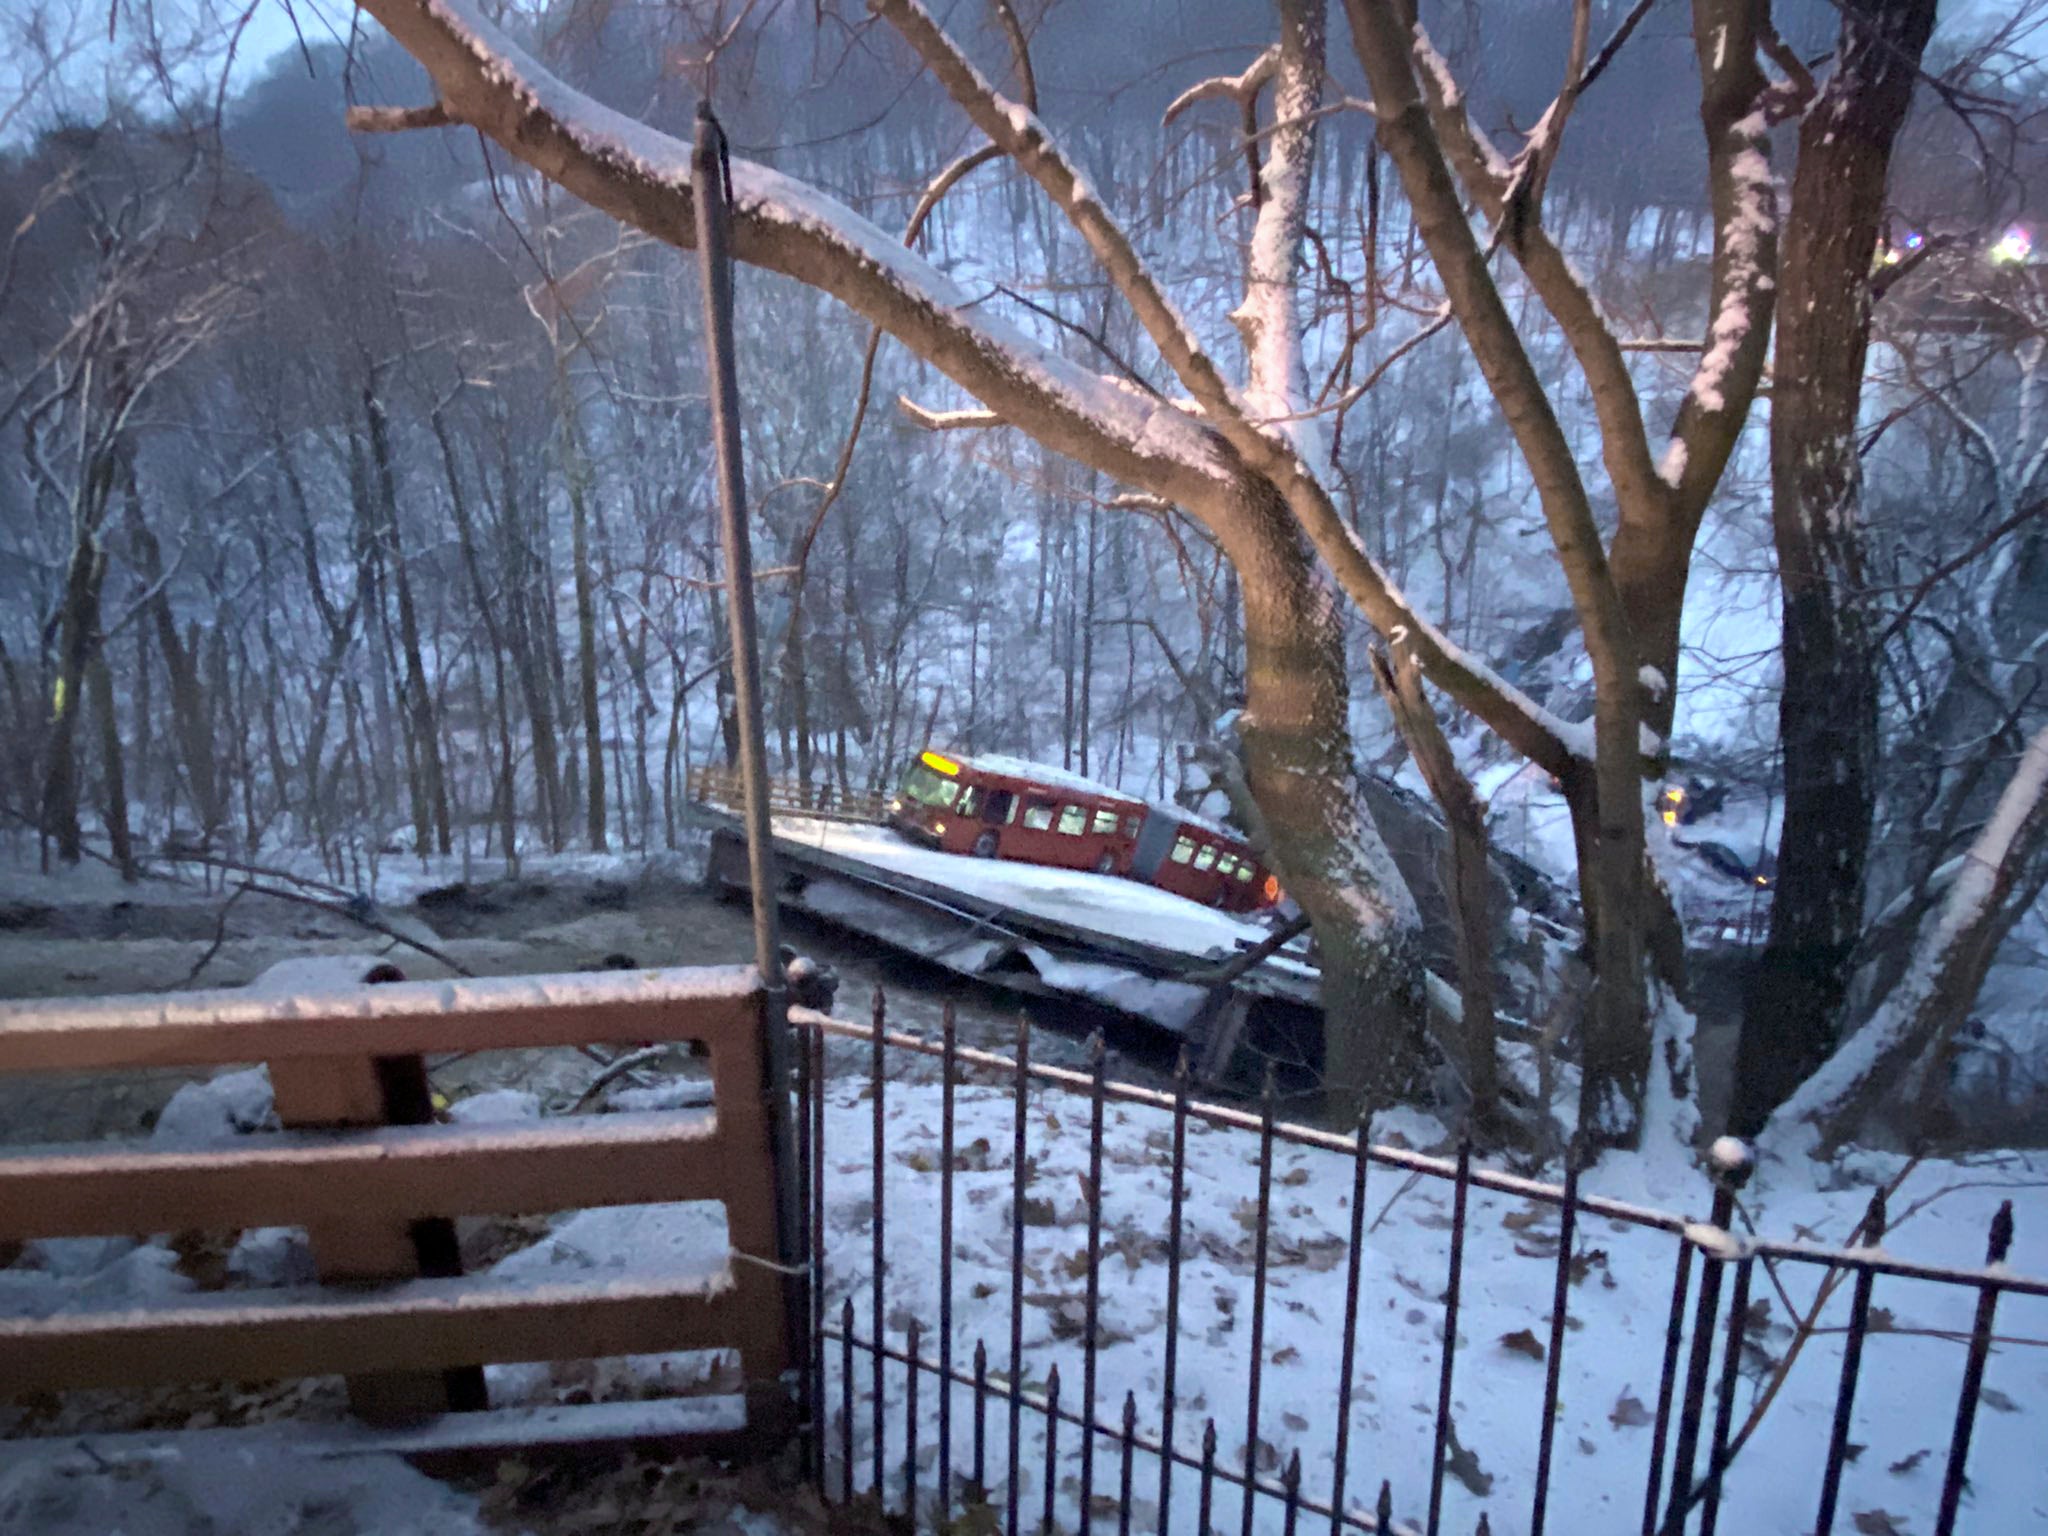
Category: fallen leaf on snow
[1522,1342]
[1629,1412]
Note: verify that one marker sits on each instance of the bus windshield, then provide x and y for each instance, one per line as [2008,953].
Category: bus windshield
[926,787]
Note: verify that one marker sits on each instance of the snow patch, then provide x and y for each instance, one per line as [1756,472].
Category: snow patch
[267,1257]
[248,1486]
[495,1107]
[230,1104]
[1671,468]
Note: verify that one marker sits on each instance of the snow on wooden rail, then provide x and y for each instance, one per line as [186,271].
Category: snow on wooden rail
[375,1184]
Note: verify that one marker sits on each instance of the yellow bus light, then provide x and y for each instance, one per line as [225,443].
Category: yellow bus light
[944,765]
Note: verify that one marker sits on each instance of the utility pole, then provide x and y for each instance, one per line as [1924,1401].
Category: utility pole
[711,181]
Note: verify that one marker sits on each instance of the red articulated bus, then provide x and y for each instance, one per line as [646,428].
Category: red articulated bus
[996,807]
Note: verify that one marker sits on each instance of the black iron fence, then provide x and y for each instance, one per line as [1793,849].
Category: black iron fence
[958,1270]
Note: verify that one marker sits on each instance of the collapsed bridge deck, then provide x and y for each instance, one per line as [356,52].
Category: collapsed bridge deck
[1114,942]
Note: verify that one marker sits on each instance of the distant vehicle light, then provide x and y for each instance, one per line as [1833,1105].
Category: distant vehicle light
[944,765]
[2014,247]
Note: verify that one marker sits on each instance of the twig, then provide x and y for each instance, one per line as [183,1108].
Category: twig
[1395,1199]
[220,935]
[617,1068]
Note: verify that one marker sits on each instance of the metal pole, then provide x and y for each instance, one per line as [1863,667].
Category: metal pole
[708,175]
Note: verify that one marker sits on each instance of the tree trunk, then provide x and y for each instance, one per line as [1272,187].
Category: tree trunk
[1087,689]
[419,699]
[22,723]
[1827,711]
[1297,750]
[188,696]
[586,623]
[77,634]
[528,661]
[796,689]
[506,800]
[1467,890]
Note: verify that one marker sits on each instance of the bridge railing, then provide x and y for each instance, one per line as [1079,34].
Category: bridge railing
[711,784]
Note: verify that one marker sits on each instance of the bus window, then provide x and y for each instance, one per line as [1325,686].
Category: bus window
[927,788]
[1104,822]
[1206,858]
[1244,873]
[1226,864]
[1131,826]
[1038,815]
[1001,809]
[1073,820]
[1183,850]
[969,799]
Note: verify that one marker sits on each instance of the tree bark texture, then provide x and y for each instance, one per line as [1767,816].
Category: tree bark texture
[1827,712]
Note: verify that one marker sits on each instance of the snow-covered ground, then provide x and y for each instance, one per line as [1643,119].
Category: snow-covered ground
[1613,1345]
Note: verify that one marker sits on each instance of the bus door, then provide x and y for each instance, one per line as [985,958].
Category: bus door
[1155,841]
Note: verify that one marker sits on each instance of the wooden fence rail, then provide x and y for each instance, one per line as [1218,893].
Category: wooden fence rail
[376,1195]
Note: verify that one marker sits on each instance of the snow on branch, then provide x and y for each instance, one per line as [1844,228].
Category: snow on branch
[1267,319]
[1733,111]
[641,176]
[1238,88]
[944,421]
[1746,241]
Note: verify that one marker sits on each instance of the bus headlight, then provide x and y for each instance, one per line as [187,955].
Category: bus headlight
[938,829]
